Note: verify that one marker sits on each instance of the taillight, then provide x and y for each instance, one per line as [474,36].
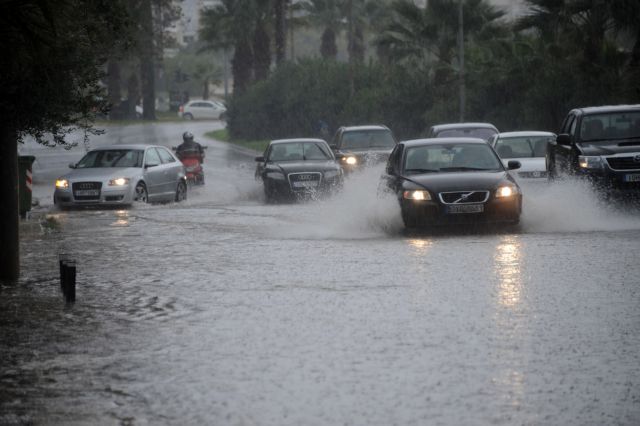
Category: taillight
[181,108]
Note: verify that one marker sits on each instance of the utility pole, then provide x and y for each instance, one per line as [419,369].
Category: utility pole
[225,62]
[461,58]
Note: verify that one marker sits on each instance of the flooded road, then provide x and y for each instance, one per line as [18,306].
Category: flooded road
[223,310]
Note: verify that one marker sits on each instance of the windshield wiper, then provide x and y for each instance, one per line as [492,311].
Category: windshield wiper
[421,170]
[461,168]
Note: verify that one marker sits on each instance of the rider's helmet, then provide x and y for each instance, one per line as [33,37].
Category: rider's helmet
[187,137]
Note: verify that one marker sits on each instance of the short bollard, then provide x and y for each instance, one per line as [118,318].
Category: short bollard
[62,259]
[70,293]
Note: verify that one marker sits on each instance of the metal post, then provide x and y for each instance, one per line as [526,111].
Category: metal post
[461,58]
[226,74]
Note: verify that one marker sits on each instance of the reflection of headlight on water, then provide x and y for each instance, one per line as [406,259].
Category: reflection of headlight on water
[275,175]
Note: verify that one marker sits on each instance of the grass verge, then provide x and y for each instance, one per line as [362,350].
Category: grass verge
[223,135]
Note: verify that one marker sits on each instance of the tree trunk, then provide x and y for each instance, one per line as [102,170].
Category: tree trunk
[113,83]
[328,47]
[147,63]
[261,52]
[241,66]
[280,30]
[9,207]
[205,89]
[133,97]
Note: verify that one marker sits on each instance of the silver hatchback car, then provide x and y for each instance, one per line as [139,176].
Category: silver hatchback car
[122,174]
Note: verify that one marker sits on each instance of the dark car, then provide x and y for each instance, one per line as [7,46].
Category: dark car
[452,181]
[294,168]
[601,144]
[463,130]
[359,146]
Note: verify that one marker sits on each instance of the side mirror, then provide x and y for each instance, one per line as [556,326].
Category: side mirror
[72,165]
[259,159]
[563,139]
[513,165]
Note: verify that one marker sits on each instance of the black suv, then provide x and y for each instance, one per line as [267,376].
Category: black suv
[358,146]
[600,143]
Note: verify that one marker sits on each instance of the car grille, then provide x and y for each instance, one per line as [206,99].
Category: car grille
[533,175]
[464,197]
[80,190]
[304,181]
[624,163]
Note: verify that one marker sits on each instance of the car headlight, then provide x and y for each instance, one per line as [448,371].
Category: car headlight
[119,182]
[275,175]
[331,174]
[505,191]
[350,160]
[416,195]
[589,162]
[62,183]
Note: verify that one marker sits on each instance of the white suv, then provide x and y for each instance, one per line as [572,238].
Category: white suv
[202,110]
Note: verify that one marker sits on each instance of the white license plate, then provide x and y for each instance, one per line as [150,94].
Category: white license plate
[86,192]
[466,208]
[632,178]
[305,184]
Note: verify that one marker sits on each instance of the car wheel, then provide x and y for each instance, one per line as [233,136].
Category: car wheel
[187,116]
[181,192]
[141,196]
[552,173]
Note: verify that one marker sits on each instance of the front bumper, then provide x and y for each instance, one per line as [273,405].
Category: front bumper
[283,188]
[435,213]
[108,196]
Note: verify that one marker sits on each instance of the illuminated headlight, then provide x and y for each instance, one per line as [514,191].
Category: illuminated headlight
[589,162]
[331,174]
[275,175]
[62,183]
[119,182]
[506,191]
[351,160]
[416,195]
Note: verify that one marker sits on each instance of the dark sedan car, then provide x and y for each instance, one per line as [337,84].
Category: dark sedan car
[358,146]
[452,181]
[295,168]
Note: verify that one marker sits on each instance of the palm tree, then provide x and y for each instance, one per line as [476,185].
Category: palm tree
[328,15]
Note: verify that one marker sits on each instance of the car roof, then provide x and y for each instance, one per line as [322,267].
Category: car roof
[364,127]
[469,125]
[607,108]
[293,140]
[522,133]
[441,141]
[129,146]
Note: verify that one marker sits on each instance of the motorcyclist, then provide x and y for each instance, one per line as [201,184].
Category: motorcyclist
[189,146]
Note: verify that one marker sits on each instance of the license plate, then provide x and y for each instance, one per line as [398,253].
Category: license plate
[466,208]
[86,192]
[305,184]
[632,178]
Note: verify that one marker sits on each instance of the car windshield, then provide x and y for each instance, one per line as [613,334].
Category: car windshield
[112,158]
[450,158]
[470,132]
[299,151]
[365,139]
[522,147]
[613,125]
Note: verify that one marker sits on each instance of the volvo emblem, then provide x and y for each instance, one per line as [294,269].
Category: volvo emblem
[463,197]
[637,158]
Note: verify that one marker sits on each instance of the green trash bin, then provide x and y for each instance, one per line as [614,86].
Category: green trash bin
[25,162]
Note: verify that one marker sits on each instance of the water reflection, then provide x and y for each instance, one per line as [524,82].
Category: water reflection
[122,218]
[420,246]
[507,266]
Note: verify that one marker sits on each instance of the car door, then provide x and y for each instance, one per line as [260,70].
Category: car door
[391,181]
[212,110]
[562,153]
[153,174]
[171,172]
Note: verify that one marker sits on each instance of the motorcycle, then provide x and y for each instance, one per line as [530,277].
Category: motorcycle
[192,161]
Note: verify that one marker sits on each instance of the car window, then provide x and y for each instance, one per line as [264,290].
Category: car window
[614,125]
[299,151]
[152,159]
[522,147]
[111,158]
[365,139]
[450,157]
[166,156]
[481,133]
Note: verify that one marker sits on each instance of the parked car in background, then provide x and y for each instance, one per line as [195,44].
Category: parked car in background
[295,168]
[601,144]
[358,146]
[529,148]
[448,181]
[463,130]
[202,110]
[120,175]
